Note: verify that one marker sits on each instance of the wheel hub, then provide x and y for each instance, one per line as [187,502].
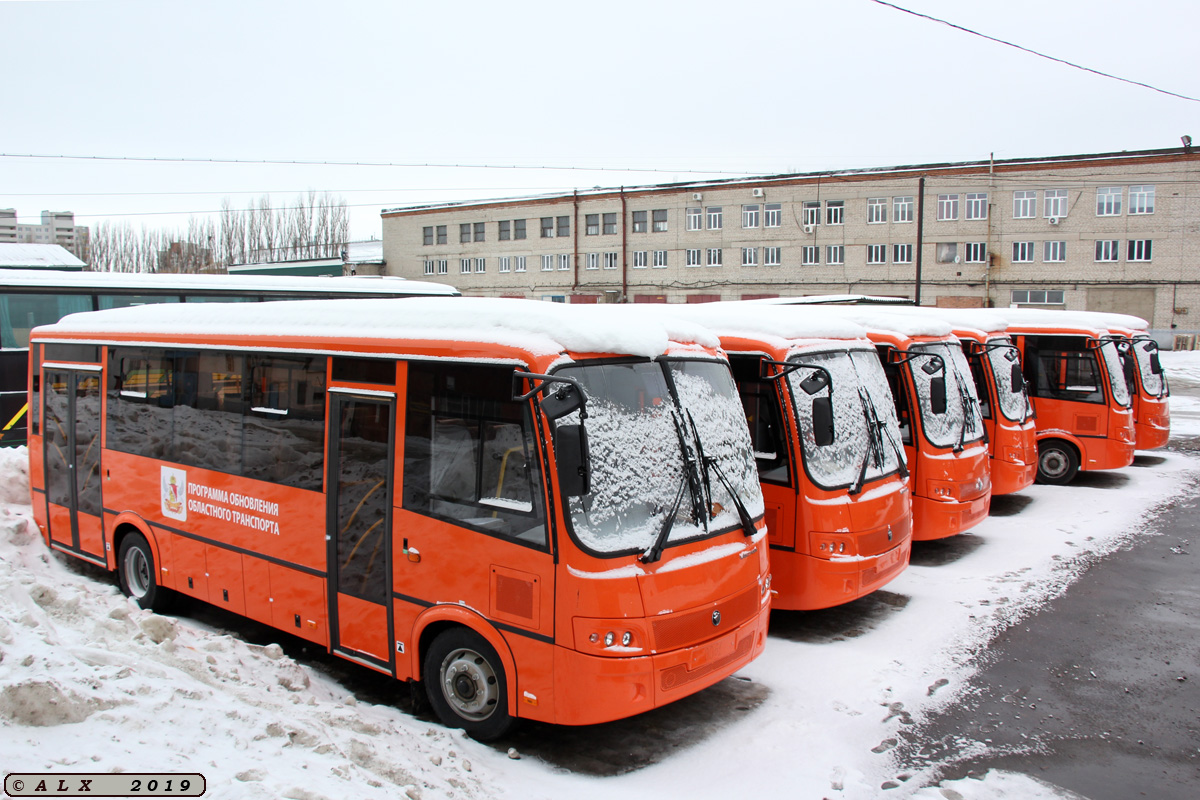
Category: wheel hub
[469,684]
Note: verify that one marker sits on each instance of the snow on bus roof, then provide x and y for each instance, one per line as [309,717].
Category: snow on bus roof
[198,284]
[986,320]
[782,325]
[538,327]
[1053,317]
[876,318]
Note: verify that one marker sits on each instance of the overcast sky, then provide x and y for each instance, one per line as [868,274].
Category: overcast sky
[730,87]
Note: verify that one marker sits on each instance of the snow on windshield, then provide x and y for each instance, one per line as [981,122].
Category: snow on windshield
[961,421]
[839,464]
[706,389]
[1116,374]
[1013,401]
[1152,381]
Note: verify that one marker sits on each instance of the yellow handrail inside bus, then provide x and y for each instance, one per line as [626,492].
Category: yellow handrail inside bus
[13,421]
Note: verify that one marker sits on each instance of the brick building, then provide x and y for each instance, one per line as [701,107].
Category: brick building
[1111,231]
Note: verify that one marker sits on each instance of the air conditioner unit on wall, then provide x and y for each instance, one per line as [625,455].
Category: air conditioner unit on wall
[756,192]
[808,228]
[697,196]
[1053,220]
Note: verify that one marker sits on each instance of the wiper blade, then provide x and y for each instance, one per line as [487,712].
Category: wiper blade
[743,512]
[654,551]
[874,446]
[691,471]
[703,465]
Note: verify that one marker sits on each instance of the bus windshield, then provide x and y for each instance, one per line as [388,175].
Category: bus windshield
[961,422]
[646,448]
[1153,382]
[861,401]
[1115,372]
[1013,400]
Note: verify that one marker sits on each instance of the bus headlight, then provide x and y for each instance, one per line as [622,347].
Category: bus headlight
[616,637]
[831,545]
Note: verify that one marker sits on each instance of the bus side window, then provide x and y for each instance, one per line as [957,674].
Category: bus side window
[283,429]
[903,414]
[140,398]
[981,388]
[469,455]
[1069,375]
[210,412]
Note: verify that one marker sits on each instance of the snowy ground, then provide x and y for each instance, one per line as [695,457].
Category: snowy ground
[90,683]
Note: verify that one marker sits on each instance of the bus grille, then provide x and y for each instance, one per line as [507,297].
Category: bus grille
[691,627]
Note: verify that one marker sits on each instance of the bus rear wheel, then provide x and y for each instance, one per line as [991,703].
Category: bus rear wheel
[137,574]
[465,682]
[1058,463]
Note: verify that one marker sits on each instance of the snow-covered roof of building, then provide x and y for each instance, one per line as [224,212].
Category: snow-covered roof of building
[369,252]
[37,256]
[530,325]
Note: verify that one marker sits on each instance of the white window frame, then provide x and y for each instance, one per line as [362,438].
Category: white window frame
[902,253]
[1054,252]
[835,254]
[593,261]
[464,266]
[695,219]
[877,210]
[520,265]
[810,255]
[1024,204]
[947,209]
[640,259]
[1108,250]
[547,263]
[505,264]
[660,259]
[564,262]
[443,266]
[1141,199]
[713,257]
[1022,252]
[749,256]
[835,212]
[771,257]
[1054,204]
[876,254]
[429,267]
[772,215]
[611,260]
[1108,201]
[751,215]
[903,208]
[975,253]
[693,257]
[810,213]
[714,217]
[1140,250]
[977,205]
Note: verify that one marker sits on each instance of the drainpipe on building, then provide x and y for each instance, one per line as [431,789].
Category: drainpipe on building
[624,259]
[920,234]
[987,264]
[575,240]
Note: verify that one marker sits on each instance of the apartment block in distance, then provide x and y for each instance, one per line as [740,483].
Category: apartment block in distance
[57,227]
[1109,231]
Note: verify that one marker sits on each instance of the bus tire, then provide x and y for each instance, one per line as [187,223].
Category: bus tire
[137,574]
[465,682]
[1058,462]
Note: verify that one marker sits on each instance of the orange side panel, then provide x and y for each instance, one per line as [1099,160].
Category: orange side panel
[299,606]
[362,626]
[225,579]
[91,535]
[188,567]
[256,575]
[60,524]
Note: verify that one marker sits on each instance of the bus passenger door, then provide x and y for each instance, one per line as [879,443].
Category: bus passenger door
[359,526]
[72,460]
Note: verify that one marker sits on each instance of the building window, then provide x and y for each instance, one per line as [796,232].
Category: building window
[464,266]
[1139,249]
[518,229]
[947,207]
[750,216]
[547,263]
[902,209]
[977,205]
[1108,201]
[564,262]
[479,231]
[520,265]
[714,257]
[564,226]
[593,261]
[1037,297]
[1107,249]
[749,256]
[1024,204]
[547,227]
[1141,200]
[772,215]
[481,265]
[443,266]
[427,235]
[693,257]
[504,231]
[695,217]
[771,257]
[835,254]
[811,214]
[976,252]
[834,212]
[902,254]
[660,258]
[810,254]
[1054,251]
[877,254]
[876,210]
[658,218]
[464,233]
[640,259]
[1022,252]
[610,224]
[428,267]
[591,223]
[610,260]
[441,234]
[947,253]
[639,222]
[505,264]
[1056,203]
[715,217]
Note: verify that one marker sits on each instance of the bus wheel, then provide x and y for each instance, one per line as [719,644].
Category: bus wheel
[1057,463]
[137,575]
[466,685]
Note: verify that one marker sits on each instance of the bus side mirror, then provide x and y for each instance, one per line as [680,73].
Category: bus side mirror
[822,420]
[571,454]
[564,399]
[1155,364]
[1018,380]
[937,394]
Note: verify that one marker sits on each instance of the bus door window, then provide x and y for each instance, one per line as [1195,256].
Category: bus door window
[760,401]
[363,497]
[978,374]
[469,454]
[899,395]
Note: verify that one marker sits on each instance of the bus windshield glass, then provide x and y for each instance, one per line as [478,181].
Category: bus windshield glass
[862,401]
[1153,382]
[961,423]
[1013,400]
[1116,373]
[644,452]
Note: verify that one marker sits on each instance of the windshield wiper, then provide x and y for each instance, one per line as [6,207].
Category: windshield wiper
[690,479]
[711,461]
[874,445]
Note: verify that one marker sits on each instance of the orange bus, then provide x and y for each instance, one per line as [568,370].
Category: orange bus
[1076,382]
[534,511]
[1147,384]
[833,470]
